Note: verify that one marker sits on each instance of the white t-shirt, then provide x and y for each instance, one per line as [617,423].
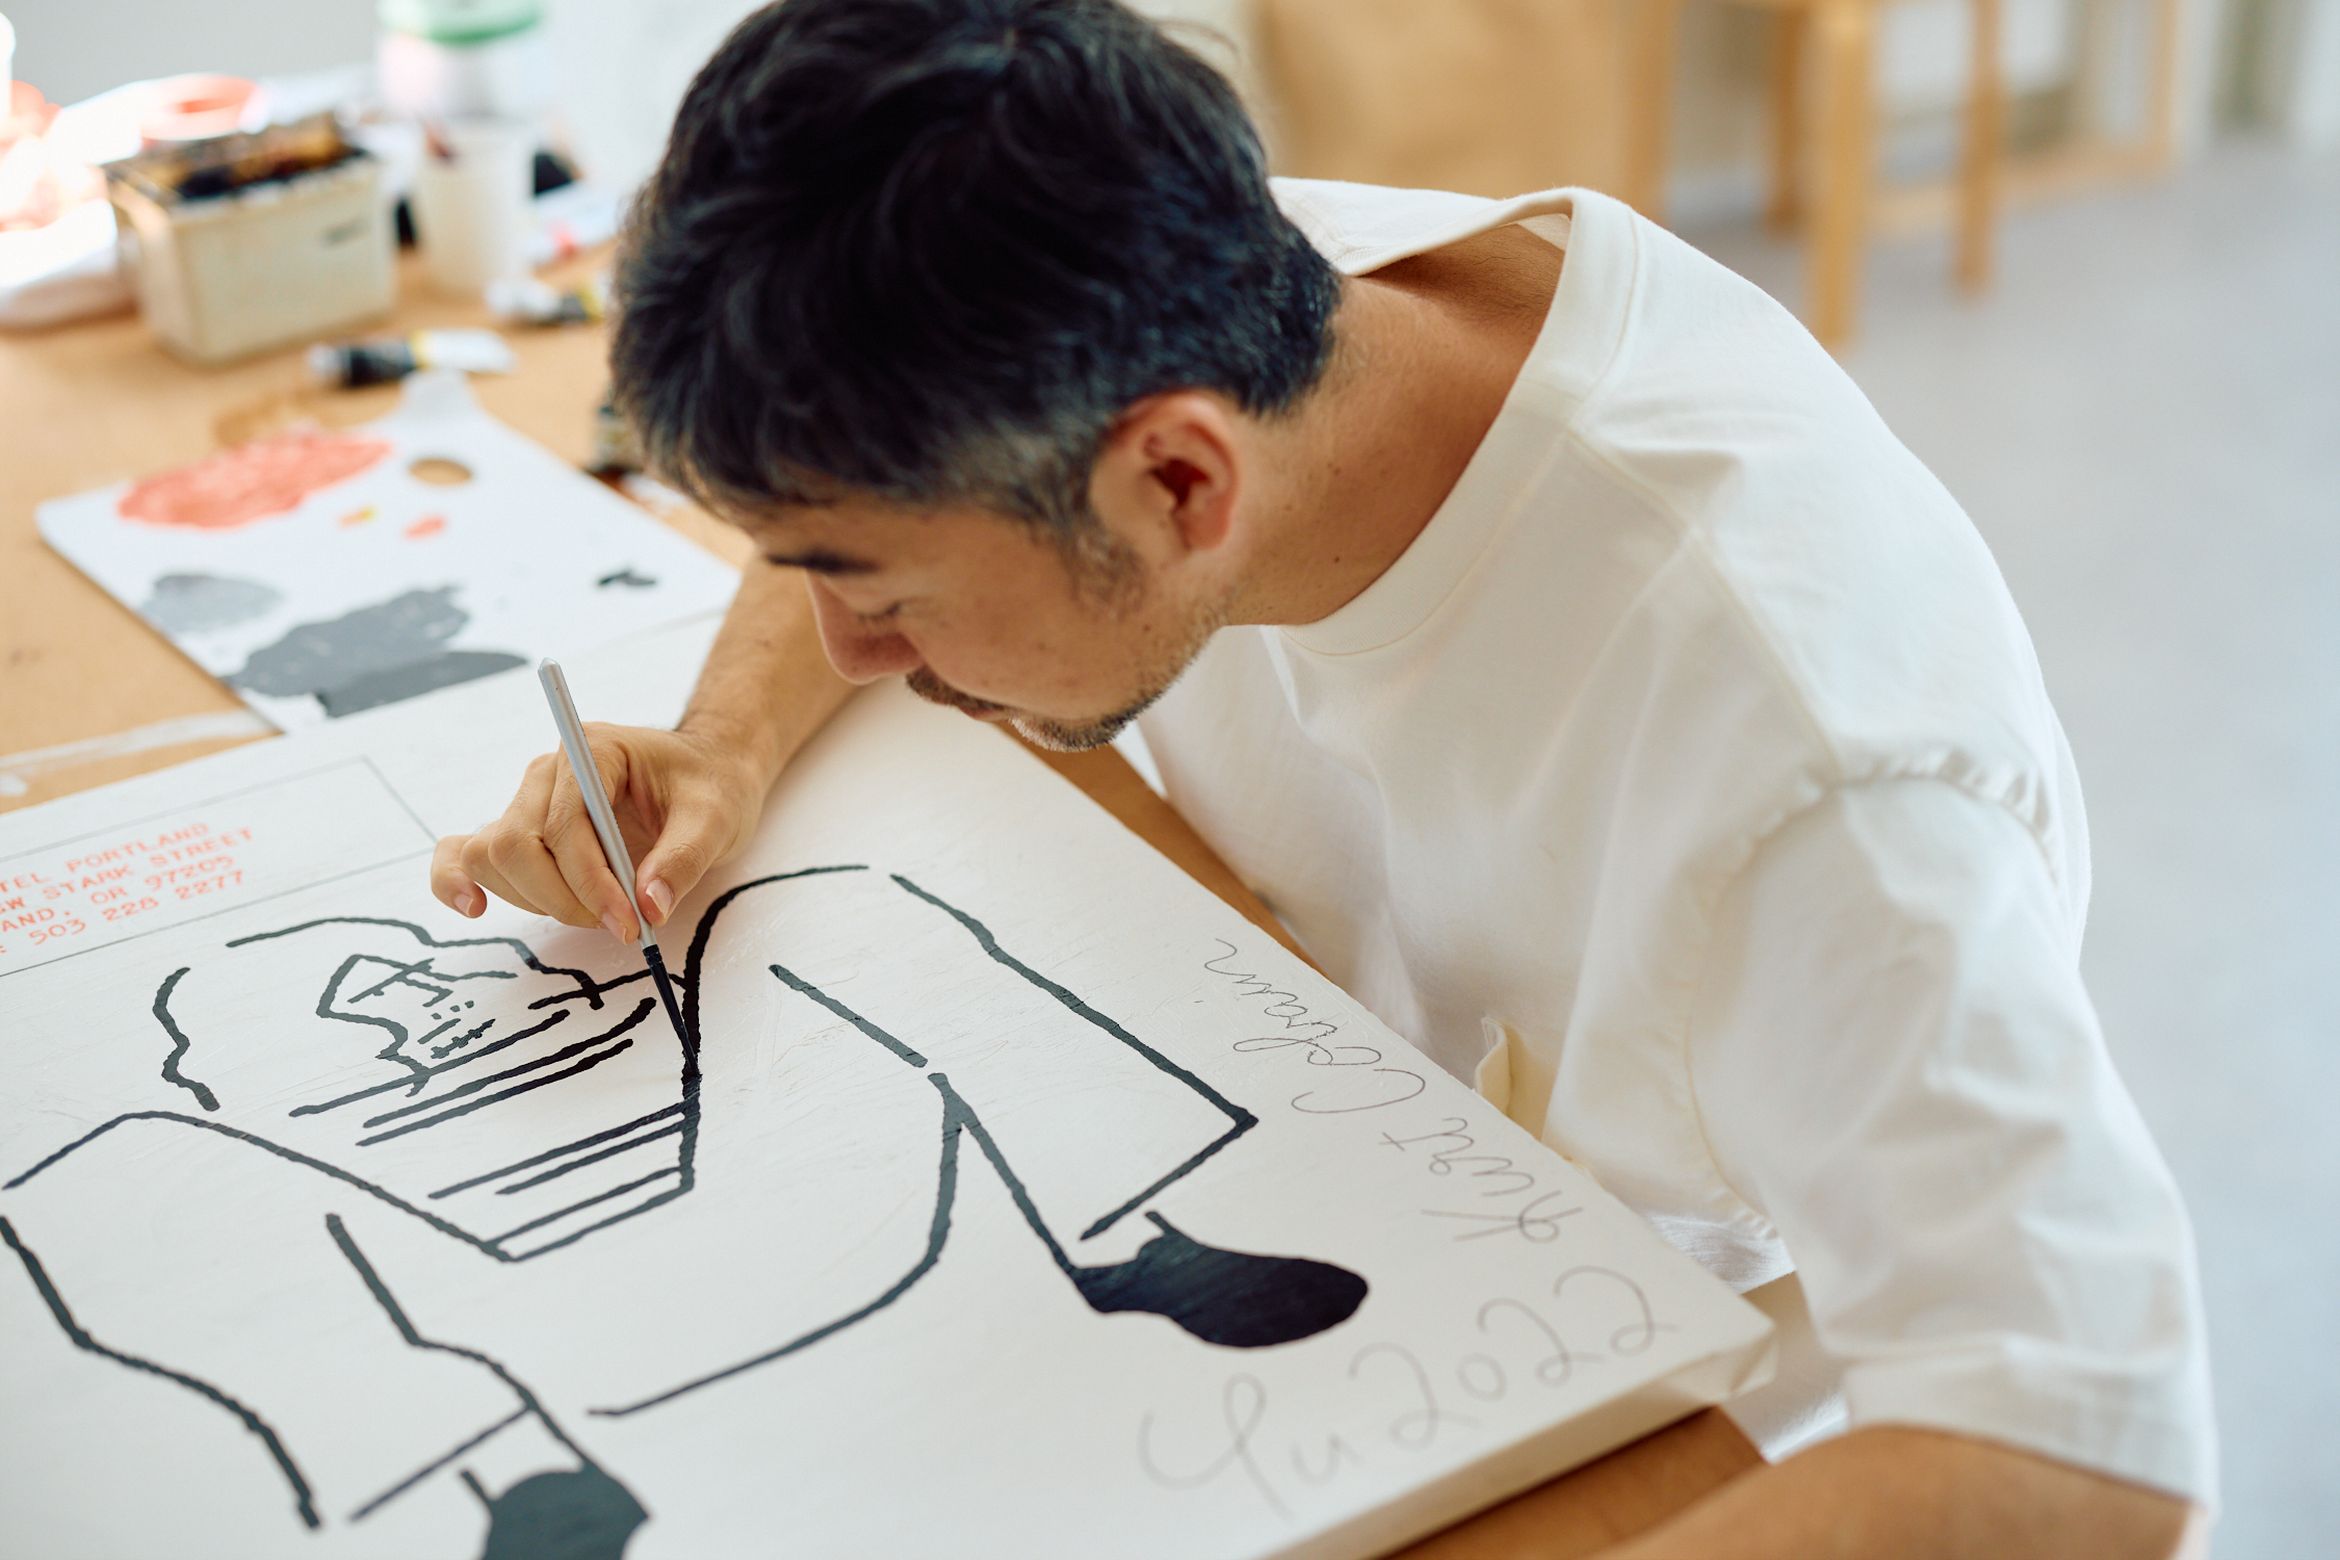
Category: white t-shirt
[1690,783]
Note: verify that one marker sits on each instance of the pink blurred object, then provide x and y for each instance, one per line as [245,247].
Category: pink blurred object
[36,186]
[28,113]
[189,108]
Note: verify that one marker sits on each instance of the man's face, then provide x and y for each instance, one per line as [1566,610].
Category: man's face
[988,616]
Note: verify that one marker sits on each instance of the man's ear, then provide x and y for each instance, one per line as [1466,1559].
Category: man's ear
[1169,474]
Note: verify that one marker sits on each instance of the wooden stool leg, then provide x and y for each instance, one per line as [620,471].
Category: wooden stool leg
[1650,40]
[2161,111]
[1786,206]
[1978,175]
[1846,35]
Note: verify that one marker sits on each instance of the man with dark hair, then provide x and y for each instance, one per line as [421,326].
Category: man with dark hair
[1562,647]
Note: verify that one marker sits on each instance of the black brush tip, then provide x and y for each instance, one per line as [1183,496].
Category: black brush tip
[665,984]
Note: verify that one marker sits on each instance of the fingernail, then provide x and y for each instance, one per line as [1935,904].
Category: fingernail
[617,928]
[467,902]
[660,895]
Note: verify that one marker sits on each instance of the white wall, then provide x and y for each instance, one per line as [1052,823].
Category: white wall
[2295,78]
[73,48]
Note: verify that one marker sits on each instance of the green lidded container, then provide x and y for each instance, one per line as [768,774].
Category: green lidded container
[460,22]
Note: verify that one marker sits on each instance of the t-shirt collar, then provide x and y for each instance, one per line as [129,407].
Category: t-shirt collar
[1359,231]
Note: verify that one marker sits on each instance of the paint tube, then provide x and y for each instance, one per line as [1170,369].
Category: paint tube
[616,451]
[384,359]
[523,300]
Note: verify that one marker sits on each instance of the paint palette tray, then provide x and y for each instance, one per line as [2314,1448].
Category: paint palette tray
[322,572]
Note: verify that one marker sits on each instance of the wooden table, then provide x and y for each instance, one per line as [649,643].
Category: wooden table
[88,404]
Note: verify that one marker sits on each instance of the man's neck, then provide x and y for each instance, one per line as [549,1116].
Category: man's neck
[1426,352]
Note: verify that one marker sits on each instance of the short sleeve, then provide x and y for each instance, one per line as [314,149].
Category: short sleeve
[1896,1063]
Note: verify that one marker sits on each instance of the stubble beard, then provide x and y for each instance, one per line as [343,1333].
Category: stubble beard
[1165,661]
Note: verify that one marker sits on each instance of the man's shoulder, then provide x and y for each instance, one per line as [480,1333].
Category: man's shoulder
[1360,227]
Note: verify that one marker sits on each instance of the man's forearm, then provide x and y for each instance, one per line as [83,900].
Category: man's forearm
[767,686]
[1924,1495]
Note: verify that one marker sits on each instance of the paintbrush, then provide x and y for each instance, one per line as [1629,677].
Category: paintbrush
[605,829]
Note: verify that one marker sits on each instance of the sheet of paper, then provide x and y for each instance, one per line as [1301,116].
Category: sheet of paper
[319,573]
[1006,1194]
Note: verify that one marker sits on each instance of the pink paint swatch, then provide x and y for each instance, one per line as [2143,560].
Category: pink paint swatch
[252,481]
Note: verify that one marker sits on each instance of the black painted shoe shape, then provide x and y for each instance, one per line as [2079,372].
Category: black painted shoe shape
[1230,1298]
[576,1514]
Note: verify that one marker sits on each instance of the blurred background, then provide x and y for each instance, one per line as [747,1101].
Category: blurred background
[2084,255]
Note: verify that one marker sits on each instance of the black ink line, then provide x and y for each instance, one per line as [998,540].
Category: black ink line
[1194,1161]
[302,1500]
[440,1052]
[398,1319]
[973,1126]
[982,1135]
[682,1185]
[281,1152]
[238,907]
[534,1160]
[1243,1120]
[692,964]
[557,1171]
[397,970]
[379,1193]
[466,1090]
[395,1084]
[419,1071]
[605,988]
[332,992]
[807,988]
[585,983]
[429,1468]
[485,1100]
[179,1043]
[938,1232]
[600,1197]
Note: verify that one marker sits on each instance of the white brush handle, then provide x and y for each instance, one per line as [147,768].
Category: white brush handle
[588,773]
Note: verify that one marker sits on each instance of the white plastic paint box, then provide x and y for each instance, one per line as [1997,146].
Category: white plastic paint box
[246,242]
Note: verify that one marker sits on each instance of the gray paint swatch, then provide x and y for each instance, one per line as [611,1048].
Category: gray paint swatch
[372,655]
[195,603]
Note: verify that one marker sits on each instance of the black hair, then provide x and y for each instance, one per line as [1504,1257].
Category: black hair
[929,251]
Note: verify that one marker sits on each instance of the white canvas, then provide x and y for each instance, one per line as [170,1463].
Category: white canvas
[317,574]
[340,1225]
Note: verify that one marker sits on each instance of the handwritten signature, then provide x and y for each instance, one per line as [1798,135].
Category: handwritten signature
[1405,1405]
[1449,1149]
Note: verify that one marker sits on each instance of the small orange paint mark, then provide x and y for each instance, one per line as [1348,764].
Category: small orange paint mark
[358,516]
[428,525]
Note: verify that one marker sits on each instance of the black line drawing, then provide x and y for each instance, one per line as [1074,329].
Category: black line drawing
[519,1107]
[302,1503]
[575,1513]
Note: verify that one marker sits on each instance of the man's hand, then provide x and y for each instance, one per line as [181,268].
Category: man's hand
[683,803]
[684,799]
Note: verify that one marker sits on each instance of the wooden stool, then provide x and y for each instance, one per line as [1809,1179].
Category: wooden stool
[1842,37]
